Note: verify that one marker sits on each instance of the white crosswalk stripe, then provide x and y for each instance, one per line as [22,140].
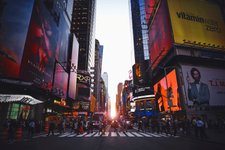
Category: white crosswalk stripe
[97,134]
[113,134]
[146,135]
[81,135]
[121,134]
[65,134]
[72,135]
[110,134]
[129,134]
[137,134]
[106,134]
[90,134]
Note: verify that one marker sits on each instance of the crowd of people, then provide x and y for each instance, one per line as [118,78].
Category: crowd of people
[188,127]
[194,127]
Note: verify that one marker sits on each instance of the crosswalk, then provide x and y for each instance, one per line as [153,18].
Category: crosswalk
[109,134]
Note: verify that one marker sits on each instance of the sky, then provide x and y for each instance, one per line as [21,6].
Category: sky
[113,30]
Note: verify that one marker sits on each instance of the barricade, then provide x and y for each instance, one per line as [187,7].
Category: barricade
[19,133]
[46,127]
[4,136]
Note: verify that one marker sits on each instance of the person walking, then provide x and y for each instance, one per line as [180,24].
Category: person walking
[51,128]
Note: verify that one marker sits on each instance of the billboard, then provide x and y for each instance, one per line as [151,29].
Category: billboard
[168,84]
[160,37]
[14,21]
[204,86]
[73,69]
[60,81]
[41,46]
[197,21]
[141,79]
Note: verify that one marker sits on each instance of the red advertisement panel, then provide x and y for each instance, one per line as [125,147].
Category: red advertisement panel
[14,21]
[160,40]
[168,84]
[149,7]
[39,54]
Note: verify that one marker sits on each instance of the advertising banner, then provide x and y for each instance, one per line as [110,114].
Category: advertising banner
[160,39]
[204,86]
[73,69]
[197,21]
[14,21]
[60,82]
[168,84]
[40,49]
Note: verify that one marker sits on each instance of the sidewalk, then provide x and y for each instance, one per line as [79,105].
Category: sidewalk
[217,137]
[214,136]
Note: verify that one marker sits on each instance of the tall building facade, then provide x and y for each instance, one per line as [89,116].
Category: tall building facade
[83,25]
[97,73]
[141,69]
[140,31]
[119,108]
[105,79]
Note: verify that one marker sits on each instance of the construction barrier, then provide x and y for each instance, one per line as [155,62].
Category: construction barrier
[46,127]
[19,133]
[4,136]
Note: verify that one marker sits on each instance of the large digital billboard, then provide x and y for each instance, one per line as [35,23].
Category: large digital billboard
[14,21]
[168,84]
[160,37]
[204,86]
[73,69]
[60,81]
[41,46]
[197,21]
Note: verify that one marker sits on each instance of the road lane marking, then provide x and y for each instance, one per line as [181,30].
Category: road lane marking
[121,134]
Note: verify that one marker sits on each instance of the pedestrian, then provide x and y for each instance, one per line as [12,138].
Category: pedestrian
[31,128]
[51,128]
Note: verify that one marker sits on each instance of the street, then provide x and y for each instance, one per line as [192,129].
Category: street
[131,140]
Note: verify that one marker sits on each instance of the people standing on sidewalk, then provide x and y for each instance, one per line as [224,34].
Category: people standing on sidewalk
[175,125]
[51,128]
[140,125]
[31,128]
[168,126]
[11,131]
[201,128]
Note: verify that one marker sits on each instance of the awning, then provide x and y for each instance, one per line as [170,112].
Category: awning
[6,98]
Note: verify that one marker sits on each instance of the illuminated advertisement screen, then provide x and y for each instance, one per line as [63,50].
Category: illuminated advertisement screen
[149,7]
[192,21]
[160,40]
[14,21]
[73,69]
[63,41]
[204,86]
[60,82]
[171,86]
[39,54]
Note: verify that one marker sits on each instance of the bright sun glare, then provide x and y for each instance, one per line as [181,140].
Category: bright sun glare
[113,110]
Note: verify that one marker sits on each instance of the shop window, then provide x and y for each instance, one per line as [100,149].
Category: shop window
[14,111]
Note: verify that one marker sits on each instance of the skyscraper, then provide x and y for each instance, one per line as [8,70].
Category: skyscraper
[140,32]
[83,25]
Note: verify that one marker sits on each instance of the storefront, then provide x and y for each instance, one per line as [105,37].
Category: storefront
[17,107]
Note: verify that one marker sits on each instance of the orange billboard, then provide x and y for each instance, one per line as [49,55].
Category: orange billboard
[198,23]
[168,84]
